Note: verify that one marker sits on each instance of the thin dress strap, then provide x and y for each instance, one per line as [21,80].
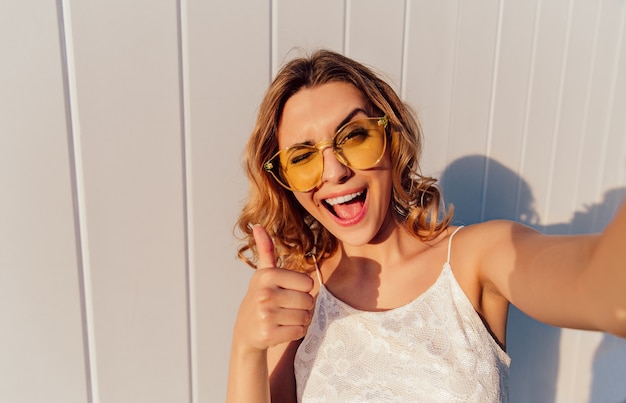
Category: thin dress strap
[317,270]
[449,243]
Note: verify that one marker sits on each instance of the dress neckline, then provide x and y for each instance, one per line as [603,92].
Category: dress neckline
[445,270]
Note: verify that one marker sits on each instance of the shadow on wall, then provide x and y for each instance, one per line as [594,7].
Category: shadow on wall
[609,362]
[533,346]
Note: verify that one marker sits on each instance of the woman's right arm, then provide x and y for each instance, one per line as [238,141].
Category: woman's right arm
[274,313]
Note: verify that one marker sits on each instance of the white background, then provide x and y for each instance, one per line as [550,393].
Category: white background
[122,125]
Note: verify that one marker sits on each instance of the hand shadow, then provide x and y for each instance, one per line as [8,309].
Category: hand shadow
[533,346]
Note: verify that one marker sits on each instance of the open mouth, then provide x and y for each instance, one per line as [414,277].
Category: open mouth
[346,206]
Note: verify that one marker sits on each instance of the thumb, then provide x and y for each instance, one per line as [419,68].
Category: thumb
[265,247]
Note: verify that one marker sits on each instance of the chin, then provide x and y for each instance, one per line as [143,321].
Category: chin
[356,236]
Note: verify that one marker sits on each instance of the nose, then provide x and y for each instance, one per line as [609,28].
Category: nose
[334,171]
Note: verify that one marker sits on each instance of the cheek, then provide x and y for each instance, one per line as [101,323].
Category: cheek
[385,184]
[386,173]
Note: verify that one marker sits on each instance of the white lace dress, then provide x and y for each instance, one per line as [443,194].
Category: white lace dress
[434,349]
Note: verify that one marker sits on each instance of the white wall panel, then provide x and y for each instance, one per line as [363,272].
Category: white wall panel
[506,194]
[604,122]
[300,26]
[472,91]
[227,70]
[375,36]
[430,53]
[615,160]
[41,341]
[572,110]
[473,78]
[128,109]
[546,88]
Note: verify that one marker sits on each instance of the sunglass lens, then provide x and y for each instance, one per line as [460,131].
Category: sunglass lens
[301,168]
[362,145]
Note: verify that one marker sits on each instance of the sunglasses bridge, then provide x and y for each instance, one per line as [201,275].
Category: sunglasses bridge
[330,143]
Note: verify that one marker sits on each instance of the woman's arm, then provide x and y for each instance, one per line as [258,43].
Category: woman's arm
[262,376]
[568,281]
[604,279]
[274,312]
[248,379]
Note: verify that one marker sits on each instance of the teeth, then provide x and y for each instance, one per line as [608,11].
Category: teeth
[344,198]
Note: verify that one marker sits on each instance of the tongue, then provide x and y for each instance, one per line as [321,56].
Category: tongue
[348,210]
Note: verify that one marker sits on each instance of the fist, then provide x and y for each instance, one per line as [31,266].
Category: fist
[278,306]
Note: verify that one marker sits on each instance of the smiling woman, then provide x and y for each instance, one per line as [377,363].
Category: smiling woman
[312,114]
[363,290]
[299,88]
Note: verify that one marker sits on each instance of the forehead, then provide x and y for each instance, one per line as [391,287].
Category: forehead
[313,114]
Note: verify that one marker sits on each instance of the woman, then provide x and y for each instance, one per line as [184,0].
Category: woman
[363,290]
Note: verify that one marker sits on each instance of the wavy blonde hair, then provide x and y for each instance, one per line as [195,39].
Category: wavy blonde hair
[298,237]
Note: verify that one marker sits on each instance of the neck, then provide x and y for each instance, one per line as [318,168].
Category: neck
[393,244]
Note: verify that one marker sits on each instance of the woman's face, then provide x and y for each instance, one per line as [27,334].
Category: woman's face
[352,204]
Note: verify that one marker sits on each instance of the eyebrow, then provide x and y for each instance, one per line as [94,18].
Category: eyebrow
[345,121]
[349,117]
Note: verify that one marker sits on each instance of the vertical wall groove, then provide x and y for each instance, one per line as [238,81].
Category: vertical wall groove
[455,67]
[611,101]
[347,6]
[405,50]
[273,38]
[528,102]
[492,102]
[79,204]
[187,180]
[622,28]
[557,119]
[586,108]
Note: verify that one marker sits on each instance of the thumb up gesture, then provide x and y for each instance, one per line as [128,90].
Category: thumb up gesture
[277,306]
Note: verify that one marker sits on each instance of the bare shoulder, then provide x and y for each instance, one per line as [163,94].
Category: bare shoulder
[482,256]
[498,228]
[491,250]
[492,236]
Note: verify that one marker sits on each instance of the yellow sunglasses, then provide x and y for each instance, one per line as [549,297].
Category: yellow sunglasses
[359,144]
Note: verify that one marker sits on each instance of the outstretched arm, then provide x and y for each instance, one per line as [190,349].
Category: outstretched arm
[604,279]
[568,281]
